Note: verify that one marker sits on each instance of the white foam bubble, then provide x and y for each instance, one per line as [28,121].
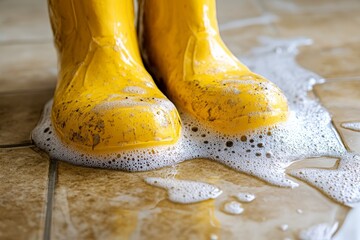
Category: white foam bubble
[350,229]
[214,237]
[233,207]
[245,197]
[134,89]
[322,231]
[342,184]
[264,153]
[284,227]
[355,126]
[185,191]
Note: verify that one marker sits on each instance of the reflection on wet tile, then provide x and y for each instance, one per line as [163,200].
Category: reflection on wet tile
[24,21]
[94,203]
[342,99]
[334,62]
[27,66]
[19,114]
[23,177]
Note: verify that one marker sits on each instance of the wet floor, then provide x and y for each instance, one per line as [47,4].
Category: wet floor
[47,199]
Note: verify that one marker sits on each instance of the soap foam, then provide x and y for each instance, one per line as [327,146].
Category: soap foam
[343,185]
[322,231]
[245,197]
[233,207]
[355,126]
[134,89]
[284,227]
[185,191]
[264,153]
[349,229]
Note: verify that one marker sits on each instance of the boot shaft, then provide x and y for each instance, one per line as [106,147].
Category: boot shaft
[185,35]
[77,24]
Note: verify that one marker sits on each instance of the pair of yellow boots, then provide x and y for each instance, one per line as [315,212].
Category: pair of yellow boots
[105,100]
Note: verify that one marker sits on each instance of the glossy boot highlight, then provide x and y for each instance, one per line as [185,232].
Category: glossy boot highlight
[105,101]
[180,42]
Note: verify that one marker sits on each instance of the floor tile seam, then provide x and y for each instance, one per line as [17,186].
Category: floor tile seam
[16,146]
[29,41]
[52,179]
[19,92]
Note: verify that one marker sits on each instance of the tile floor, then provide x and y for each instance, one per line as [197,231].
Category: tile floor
[46,199]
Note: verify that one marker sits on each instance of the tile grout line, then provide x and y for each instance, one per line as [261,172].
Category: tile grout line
[52,178]
[17,92]
[14,42]
[28,144]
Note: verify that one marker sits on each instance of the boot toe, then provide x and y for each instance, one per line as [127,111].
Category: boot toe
[116,124]
[238,104]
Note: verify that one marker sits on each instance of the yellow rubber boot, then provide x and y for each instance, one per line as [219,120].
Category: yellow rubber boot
[105,101]
[180,42]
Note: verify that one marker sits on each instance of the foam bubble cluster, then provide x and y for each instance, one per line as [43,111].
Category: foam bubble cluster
[264,153]
[342,184]
[233,208]
[355,126]
[321,231]
[245,197]
[184,191]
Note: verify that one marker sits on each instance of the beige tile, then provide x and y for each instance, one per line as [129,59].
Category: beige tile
[27,66]
[241,23]
[241,40]
[333,26]
[310,6]
[23,177]
[234,10]
[105,204]
[334,62]
[24,20]
[342,99]
[329,24]
[19,114]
